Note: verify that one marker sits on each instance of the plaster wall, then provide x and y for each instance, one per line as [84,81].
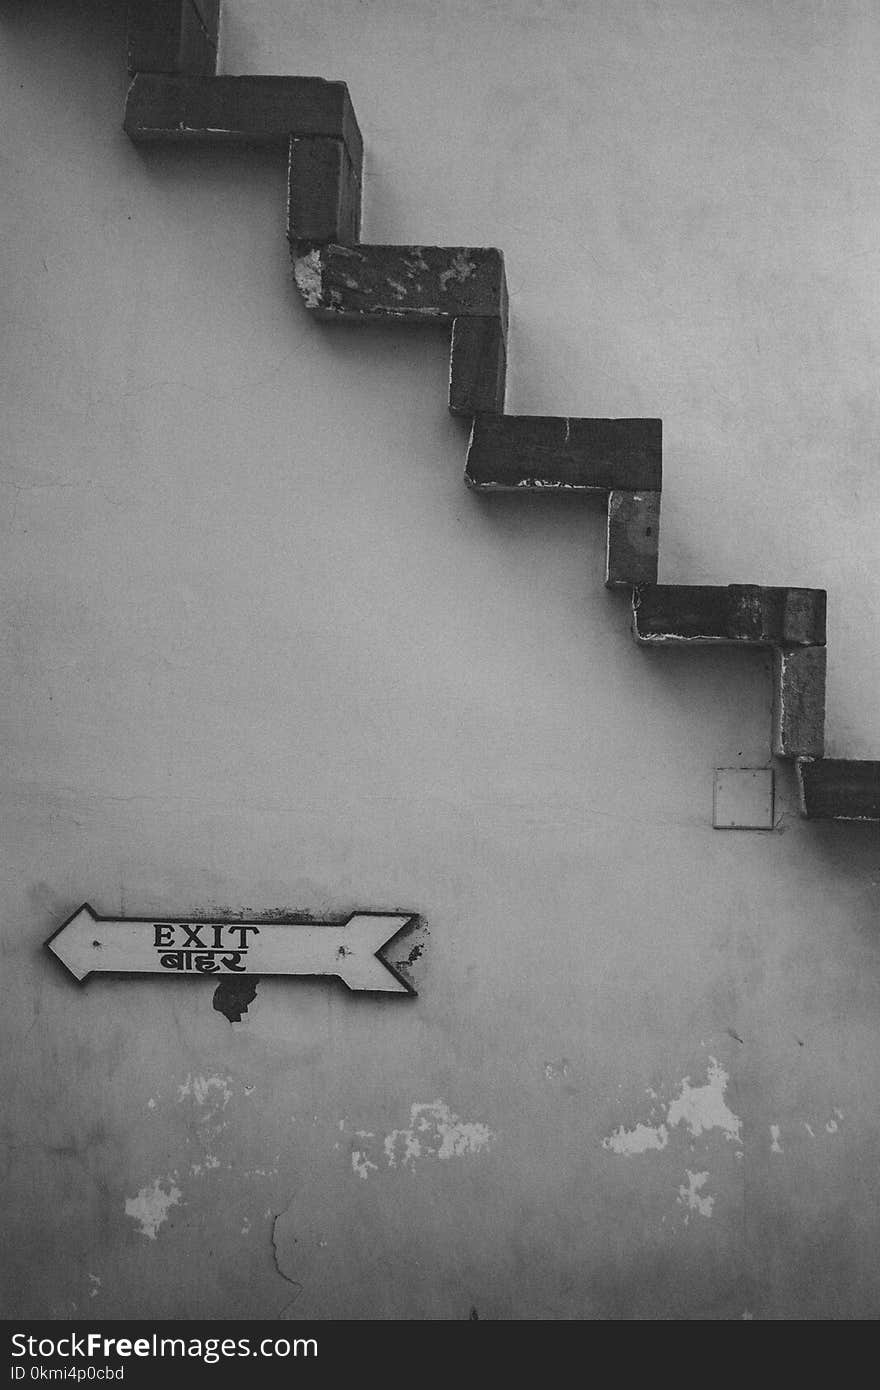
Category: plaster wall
[263,651]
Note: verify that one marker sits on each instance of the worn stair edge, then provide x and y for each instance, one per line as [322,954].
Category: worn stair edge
[416,284]
[839,789]
[695,614]
[323,193]
[513,453]
[239,110]
[173,36]
[632,544]
[799,701]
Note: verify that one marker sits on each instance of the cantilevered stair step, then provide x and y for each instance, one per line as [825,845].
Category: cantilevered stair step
[732,613]
[420,284]
[837,789]
[512,453]
[240,110]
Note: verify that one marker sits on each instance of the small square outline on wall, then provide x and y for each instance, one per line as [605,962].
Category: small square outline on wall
[743,798]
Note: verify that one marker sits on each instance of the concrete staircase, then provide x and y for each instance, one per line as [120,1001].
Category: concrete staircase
[175,95]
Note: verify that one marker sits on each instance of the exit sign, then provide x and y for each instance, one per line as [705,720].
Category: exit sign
[88,944]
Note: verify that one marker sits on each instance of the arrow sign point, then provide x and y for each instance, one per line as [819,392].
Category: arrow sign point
[358,963]
[76,940]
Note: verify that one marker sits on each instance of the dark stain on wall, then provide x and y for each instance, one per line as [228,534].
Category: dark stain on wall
[233,994]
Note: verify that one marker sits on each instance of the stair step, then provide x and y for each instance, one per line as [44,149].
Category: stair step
[240,110]
[837,789]
[731,613]
[512,453]
[428,284]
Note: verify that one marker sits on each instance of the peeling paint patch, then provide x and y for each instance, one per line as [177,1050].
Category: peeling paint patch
[151,1206]
[557,1071]
[211,1161]
[412,1146]
[775,1146]
[361,1165]
[637,1140]
[704,1107]
[690,1196]
[698,1108]
[206,1090]
[434,1131]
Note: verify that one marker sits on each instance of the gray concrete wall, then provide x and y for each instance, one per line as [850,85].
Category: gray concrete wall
[262,651]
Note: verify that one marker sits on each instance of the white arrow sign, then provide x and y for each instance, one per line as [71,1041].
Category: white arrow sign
[86,943]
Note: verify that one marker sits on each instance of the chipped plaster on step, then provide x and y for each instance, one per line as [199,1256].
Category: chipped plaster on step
[460,270]
[307,274]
